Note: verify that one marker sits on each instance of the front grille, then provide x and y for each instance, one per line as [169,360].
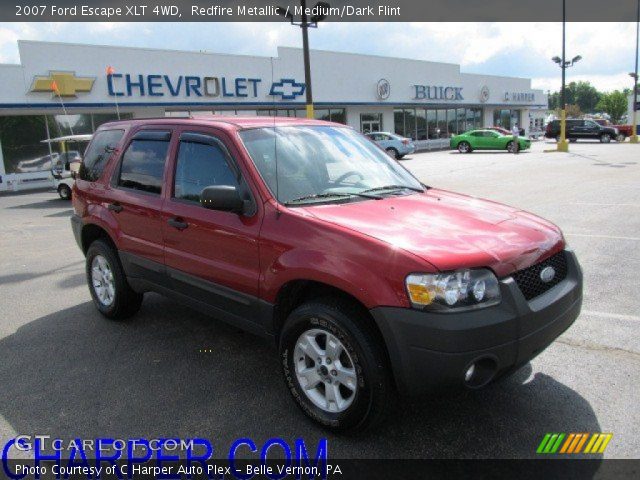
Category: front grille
[529,281]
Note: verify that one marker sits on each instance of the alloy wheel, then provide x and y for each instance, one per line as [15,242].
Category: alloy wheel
[102,280]
[325,371]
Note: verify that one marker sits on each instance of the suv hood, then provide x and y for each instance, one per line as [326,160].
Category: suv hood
[449,230]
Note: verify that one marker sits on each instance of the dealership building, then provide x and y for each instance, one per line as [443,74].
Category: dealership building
[60,89]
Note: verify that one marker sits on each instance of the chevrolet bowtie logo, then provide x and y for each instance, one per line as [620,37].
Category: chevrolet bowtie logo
[65,84]
[287,88]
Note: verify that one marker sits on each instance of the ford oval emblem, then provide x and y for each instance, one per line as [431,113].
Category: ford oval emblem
[547,274]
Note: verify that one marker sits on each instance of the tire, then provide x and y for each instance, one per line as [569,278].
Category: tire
[621,137]
[64,191]
[465,147]
[605,138]
[393,153]
[573,140]
[510,146]
[558,138]
[365,403]
[120,301]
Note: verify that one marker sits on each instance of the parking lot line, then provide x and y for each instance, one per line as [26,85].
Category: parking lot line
[617,316]
[607,204]
[612,237]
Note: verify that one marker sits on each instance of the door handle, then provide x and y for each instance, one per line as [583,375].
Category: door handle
[177,223]
[115,207]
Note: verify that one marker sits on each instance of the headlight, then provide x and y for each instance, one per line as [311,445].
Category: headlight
[464,289]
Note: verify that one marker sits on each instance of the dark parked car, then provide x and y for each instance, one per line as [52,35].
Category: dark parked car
[305,232]
[579,129]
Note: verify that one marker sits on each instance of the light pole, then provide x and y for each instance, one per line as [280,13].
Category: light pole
[305,22]
[634,125]
[563,145]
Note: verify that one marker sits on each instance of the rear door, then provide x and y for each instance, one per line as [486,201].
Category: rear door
[211,256]
[135,200]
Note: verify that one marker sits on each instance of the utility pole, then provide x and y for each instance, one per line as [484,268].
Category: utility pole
[305,23]
[563,146]
[634,98]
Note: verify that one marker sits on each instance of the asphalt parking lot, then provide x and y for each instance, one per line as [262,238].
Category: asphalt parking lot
[68,372]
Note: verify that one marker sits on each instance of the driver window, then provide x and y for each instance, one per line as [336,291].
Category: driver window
[198,166]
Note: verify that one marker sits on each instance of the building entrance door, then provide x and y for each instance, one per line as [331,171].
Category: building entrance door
[370,122]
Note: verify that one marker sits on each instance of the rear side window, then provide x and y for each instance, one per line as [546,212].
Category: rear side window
[143,162]
[98,153]
[200,165]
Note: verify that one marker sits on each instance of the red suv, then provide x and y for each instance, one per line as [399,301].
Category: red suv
[306,232]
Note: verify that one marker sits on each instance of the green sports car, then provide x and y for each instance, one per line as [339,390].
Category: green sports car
[486,140]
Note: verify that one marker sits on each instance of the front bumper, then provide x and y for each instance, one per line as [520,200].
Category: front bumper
[432,351]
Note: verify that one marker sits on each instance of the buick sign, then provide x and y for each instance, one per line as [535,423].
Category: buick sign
[383,89]
[547,274]
[484,94]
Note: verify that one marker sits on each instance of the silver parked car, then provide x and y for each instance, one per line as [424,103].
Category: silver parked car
[393,144]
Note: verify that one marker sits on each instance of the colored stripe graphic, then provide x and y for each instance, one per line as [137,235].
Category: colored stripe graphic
[568,442]
[543,443]
[550,443]
[598,443]
[594,437]
[573,442]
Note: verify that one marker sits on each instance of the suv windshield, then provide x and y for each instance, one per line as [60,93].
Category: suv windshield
[324,164]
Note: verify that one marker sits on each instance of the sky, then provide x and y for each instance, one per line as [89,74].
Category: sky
[512,49]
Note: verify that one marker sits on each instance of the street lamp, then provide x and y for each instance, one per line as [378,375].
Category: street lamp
[563,146]
[305,22]
[634,75]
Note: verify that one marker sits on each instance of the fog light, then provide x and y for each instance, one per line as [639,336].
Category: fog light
[469,373]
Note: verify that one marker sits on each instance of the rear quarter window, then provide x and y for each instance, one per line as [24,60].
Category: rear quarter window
[98,153]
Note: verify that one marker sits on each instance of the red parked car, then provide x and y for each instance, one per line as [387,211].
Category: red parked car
[504,131]
[624,131]
[309,234]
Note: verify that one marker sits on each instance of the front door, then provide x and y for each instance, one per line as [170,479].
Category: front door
[211,256]
[591,129]
[493,140]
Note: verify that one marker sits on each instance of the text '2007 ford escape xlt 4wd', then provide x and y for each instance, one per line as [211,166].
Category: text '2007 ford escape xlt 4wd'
[370,282]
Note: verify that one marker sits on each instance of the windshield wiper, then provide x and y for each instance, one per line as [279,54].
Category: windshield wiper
[330,195]
[392,187]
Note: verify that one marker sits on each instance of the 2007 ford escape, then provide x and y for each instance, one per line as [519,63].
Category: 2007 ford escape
[370,282]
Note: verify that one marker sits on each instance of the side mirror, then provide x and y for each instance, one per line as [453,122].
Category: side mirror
[222,197]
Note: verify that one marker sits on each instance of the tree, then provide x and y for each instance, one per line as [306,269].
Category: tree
[582,94]
[614,103]
[586,96]
[573,111]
